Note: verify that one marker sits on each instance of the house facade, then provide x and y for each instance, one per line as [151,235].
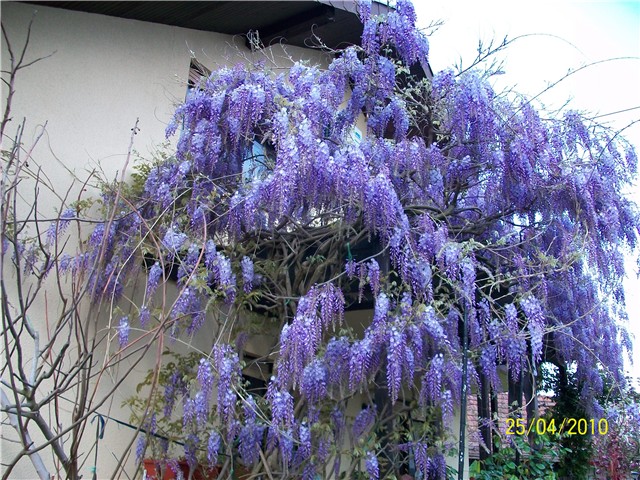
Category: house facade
[109,79]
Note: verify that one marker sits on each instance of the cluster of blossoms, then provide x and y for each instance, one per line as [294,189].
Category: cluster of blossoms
[487,217]
[123,331]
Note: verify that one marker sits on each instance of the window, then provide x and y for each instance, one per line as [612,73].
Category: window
[257,162]
[197,72]
[256,373]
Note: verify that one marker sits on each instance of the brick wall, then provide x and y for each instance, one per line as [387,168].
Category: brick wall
[473,431]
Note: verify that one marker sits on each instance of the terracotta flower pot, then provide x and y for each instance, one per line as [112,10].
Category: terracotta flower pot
[155,470]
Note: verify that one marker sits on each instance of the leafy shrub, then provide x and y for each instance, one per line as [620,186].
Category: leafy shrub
[617,454]
[536,462]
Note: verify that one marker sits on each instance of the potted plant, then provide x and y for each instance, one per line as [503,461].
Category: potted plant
[168,446]
[178,427]
[154,470]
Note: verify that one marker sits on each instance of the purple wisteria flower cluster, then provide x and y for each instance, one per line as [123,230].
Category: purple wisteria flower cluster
[480,214]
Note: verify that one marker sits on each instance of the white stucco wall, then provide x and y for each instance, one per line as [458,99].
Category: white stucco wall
[102,75]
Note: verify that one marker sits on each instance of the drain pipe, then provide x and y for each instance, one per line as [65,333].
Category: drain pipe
[463,394]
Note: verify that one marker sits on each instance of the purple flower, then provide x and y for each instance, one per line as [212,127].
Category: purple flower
[468,277]
[314,382]
[245,106]
[210,254]
[337,421]
[304,444]
[281,407]
[141,446]
[123,331]
[459,211]
[421,455]
[488,364]
[350,268]
[30,257]
[213,446]
[395,356]
[170,394]
[250,409]
[371,464]
[184,168]
[205,377]
[431,325]
[174,239]
[447,406]
[381,309]
[188,412]
[285,442]
[337,355]
[535,317]
[65,262]
[360,362]
[324,449]
[250,442]
[155,274]
[57,227]
[201,407]
[190,447]
[152,424]
[188,304]
[331,302]
[420,276]
[144,316]
[225,277]
[432,381]
[438,466]
[247,273]
[515,345]
[300,340]
[363,422]
[173,465]
[228,368]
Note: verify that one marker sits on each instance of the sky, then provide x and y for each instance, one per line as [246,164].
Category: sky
[561,35]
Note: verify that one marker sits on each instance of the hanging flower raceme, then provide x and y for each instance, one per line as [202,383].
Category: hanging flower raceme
[228,374]
[481,214]
[373,469]
[535,319]
[123,331]
[299,342]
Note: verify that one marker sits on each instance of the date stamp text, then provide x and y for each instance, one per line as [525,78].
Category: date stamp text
[568,426]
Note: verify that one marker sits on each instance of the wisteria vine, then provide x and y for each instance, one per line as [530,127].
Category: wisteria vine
[472,206]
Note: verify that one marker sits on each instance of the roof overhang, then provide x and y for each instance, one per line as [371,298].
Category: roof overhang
[334,24]
[298,23]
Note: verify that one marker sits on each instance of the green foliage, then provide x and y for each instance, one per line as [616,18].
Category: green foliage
[536,463]
[566,388]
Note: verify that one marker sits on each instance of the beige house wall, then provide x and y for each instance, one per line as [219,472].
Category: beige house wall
[102,76]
